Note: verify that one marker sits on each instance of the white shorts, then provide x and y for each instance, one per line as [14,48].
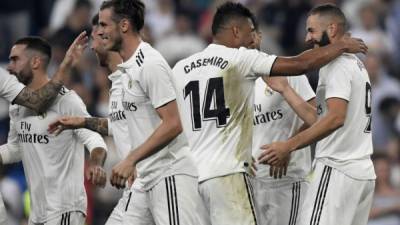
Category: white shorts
[229,200]
[119,210]
[68,218]
[173,201]
[3,212]
[335,198]
[278,201]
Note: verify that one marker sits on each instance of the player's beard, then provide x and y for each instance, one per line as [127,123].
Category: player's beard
[324,39]
[25,76]
[116,47]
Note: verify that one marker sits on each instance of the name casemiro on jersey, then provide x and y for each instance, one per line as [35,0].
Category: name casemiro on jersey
[213,61]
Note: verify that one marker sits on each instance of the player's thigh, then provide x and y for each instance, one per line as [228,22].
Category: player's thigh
[119,210]
[365,203]
[229,200]
[3,212]
[279,202]
[68,218]
[138,210]
[176,200]
[331,199]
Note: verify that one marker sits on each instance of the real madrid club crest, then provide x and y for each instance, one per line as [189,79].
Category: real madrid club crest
[268,91]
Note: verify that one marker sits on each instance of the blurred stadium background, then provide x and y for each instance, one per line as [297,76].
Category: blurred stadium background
[178,28]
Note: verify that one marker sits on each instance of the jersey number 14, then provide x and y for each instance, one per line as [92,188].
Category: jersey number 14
[214,107]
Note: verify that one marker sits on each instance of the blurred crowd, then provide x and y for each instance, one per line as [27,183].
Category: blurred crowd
[179,28]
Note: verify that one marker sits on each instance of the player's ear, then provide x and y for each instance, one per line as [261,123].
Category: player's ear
[124,25]
[235,31]
[35,62]
[332,30]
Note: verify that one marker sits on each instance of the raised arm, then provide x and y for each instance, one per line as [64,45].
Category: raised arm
[317,57]
[41,99]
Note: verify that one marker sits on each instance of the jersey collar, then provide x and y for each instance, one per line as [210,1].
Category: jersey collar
[132,60]
[115,75]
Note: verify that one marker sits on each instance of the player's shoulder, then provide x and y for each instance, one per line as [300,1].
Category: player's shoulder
[346,61]
[150,55]
[68,97]
[179,67]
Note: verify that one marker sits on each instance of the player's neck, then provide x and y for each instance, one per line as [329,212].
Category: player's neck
[38,81]
[129,45]
[335,39]
[223,40]
[113,60]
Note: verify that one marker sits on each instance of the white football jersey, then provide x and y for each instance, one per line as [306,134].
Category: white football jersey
[117,123]
[215,95]
[10,87]
[53,165]
[147,86]
[348,149]
[274,120]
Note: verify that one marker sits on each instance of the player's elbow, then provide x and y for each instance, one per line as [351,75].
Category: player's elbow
[175,127]
[337,121]
[301,65]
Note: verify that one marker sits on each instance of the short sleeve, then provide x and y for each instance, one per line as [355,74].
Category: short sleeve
[338,82]
[11,152]
[72,105]
[254,63]
[302,87]
[10,87]
[156,80]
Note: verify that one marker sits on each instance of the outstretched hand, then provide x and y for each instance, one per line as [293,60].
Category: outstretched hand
[64,123]
[275,154]
[353,45]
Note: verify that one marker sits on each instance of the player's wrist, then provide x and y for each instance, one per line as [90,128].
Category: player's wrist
[342,46]
[292,144]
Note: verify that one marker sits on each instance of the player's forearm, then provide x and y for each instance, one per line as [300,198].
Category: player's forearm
[10,154]
[318,57]
[98,156]
[303,109]
[99,125]
[319,130]
[306,61]
[41,99]
[162,136]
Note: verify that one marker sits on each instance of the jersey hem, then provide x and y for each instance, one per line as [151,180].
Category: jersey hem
[58,214]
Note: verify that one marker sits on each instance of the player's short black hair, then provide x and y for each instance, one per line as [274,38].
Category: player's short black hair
[133,10]
[227,12]
[255,22]
[37,44]
[330,10]
[95,20]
